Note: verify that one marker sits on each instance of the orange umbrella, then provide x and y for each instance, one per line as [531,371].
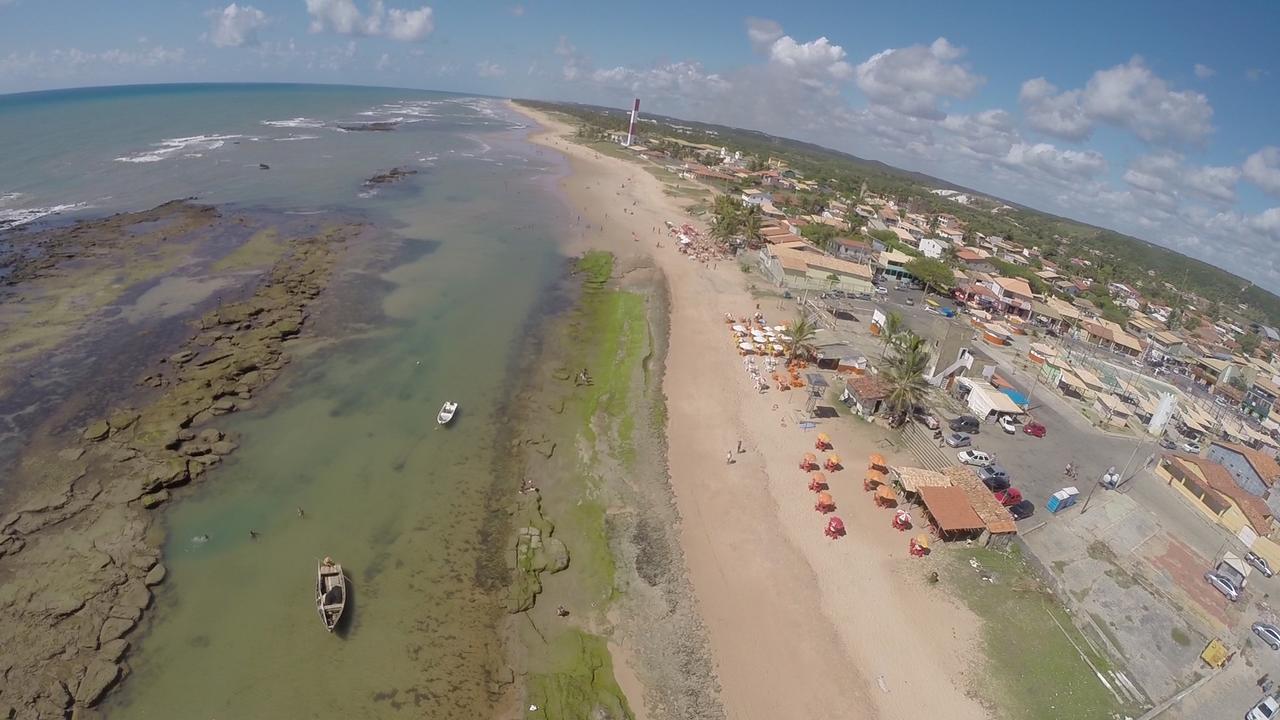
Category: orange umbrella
[834,459]
[810,457]
[824,498]
[823,437]
[820,478]
[876,460]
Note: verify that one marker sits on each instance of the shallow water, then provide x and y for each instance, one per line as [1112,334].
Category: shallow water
[350,437]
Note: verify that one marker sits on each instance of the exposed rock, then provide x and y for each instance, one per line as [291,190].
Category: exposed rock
[185,434]
[210,435]
[223,447]
[135,595]
[155,499]
[71,454]
[96,430]
[98,678]
[156,575]
[114,628]
[124,454]
[122,419]
[182,357]
[192,449]
[114,650]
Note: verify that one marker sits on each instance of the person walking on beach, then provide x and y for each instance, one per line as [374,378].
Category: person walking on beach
[728,458]
[739,446]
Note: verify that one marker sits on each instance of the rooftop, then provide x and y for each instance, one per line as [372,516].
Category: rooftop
[1219,480]
[1265,465]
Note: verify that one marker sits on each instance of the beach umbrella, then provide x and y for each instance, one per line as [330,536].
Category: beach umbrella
[876,460]
[779,328]
[747,346]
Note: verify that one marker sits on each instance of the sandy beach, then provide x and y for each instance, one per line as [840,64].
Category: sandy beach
[798,625]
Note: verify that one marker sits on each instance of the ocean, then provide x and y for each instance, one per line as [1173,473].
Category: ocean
[348,435]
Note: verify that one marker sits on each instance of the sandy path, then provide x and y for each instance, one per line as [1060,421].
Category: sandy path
[800,626]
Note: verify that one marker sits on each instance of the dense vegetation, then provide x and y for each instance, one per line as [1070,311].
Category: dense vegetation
[1162,275]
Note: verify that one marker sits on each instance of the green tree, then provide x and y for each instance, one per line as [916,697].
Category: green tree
[833,280]
[1248,342]
[933,273]
[823,236]
[802,333]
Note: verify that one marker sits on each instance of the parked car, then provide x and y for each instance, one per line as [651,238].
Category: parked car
[965,423]
[959,440]
[1034,429]
[1191,447]
[1222,585]
[1009,496]
[975,457]
[1167,444]
[994,477]
[1264,710]
[1022,510]
[910,301]
[1008,425]
[1260,564]
[924,418]
[882,290]
[1270,634]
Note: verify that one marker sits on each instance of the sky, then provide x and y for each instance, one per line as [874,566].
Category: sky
[1158,119]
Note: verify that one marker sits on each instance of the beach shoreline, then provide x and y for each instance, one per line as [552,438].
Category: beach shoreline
[765,581]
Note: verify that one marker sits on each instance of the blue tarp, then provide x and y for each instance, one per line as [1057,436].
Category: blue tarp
[1018,398]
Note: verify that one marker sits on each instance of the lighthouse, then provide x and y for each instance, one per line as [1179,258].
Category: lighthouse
[631,129]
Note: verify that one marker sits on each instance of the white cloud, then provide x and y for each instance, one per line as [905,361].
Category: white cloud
[1132,96]
[1058,163]
[914,80]
[813,57]
[1054,113]
[762,33]
[1128,96]
[1263,169]
[575,63]
[236,25]
[410,25]
[344,18]
[486,69]
[384,62]
[1204,72]
[1170,181]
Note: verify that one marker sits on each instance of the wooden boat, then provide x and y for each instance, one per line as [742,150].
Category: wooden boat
[446,413]
[331,592]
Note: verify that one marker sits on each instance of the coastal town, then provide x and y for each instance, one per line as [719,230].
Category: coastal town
[1120,440]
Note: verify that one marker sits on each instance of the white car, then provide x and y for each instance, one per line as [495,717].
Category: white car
[1191,447]
[975,457]
[1264,710]
[1008,425]
[881,290]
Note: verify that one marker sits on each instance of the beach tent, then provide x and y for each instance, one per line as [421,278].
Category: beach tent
[951,512]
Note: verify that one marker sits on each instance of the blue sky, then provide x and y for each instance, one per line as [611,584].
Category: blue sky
[1154,118]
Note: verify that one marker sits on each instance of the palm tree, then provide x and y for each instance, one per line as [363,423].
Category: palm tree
[904,374]
[893,326]
[751,223]
[802,332]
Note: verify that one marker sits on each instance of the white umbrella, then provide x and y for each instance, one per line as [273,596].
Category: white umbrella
[739,328]
[779,328]
[747,346]
[784,338]
[779,348]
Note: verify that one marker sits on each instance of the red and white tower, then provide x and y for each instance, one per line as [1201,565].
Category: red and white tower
[631,129]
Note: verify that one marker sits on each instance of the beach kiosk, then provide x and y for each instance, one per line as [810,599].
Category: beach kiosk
[1063,499]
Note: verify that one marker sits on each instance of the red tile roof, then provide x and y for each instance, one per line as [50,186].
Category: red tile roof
[1263,464]
[1219,480]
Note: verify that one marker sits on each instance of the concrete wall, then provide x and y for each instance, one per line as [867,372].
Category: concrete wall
[1240,469]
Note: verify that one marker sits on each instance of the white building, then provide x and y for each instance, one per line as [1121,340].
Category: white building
[933,247]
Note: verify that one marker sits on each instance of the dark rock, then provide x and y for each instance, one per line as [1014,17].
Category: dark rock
[98,678]
[185,434]
[210,435]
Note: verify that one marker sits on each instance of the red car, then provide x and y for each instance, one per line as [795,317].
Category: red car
[1009,497]
[1034,429]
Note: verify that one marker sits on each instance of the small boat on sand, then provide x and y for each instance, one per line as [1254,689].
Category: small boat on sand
[331,592]
[446,413]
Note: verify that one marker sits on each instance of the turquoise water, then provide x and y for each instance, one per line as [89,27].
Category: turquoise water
[349,434]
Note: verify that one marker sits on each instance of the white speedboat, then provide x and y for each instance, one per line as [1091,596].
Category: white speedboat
[446,413]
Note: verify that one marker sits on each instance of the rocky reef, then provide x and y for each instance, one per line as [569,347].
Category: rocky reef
[77,560]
